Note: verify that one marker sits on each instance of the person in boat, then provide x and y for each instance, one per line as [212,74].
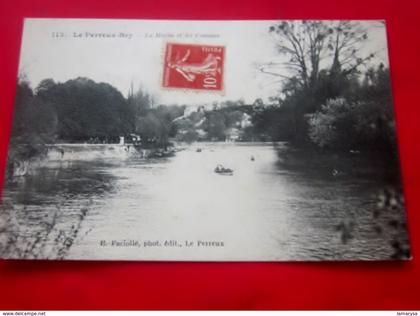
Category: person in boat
[221,169]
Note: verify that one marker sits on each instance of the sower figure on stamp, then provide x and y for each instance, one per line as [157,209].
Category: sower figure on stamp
[210,65]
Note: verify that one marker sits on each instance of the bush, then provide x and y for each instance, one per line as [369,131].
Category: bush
[330,126]
[353,125]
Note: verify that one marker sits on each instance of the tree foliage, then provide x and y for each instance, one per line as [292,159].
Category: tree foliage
[325,98]
[158,125]
[365,122]
[81,110]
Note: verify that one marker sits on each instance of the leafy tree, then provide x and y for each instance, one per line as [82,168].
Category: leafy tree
[140,102]
[332,124]
[34,118]
[34,125]
[158,125]
[151,129]
[215,125]
[86,110]
[190,135]
[234,118]
[22,110]
[322,61]
[364,121]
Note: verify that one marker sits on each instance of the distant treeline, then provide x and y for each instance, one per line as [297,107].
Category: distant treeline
[356,115]
[82,110]
[330,104]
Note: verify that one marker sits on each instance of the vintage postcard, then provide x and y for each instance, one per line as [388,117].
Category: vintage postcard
[203,141]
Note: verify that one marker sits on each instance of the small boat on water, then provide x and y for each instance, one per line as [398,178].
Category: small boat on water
[223,171]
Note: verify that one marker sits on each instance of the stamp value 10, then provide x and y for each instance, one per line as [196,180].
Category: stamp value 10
[193,66]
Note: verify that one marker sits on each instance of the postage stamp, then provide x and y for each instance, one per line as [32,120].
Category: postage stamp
[193,66]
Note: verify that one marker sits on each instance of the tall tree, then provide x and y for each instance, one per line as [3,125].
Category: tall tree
[85,109]
[310,46]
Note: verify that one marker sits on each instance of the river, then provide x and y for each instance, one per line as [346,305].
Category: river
[88,204]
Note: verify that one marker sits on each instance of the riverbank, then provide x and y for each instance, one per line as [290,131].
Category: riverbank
[18,166]
[307,160]
[313,161]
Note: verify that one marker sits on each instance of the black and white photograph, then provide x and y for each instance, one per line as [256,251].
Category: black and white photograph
[169,140]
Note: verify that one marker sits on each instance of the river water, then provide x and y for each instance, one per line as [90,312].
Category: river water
[90,204]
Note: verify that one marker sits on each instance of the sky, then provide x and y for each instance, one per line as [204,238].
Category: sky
[64,49]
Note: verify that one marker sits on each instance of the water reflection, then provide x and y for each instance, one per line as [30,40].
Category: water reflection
[42,212]
[278,205]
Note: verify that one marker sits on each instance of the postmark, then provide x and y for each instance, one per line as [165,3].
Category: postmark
[193,66]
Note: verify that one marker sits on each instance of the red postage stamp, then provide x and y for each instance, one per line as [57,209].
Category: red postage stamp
[193,66]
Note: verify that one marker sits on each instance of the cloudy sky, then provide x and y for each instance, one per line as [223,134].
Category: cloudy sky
[64,49]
